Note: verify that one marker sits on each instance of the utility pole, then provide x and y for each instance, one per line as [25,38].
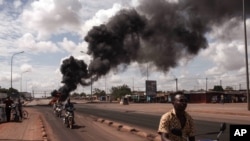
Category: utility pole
[147,71]
[206,84]
[246,57]
[176,81]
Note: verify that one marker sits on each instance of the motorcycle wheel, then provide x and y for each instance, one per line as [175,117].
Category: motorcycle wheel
[71,123]
[16,118]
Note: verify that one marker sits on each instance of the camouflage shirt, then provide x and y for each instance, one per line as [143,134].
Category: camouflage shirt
[169,121]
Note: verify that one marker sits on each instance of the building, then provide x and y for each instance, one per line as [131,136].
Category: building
[2,97]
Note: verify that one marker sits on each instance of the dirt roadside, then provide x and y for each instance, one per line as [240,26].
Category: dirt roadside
[28,129]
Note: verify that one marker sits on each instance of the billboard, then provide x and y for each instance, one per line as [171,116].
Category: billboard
[151,87]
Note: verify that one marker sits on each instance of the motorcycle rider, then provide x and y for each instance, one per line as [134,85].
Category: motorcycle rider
[58,104]
[68,105]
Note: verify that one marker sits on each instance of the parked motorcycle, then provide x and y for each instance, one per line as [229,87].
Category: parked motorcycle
[219,133]
[69,117]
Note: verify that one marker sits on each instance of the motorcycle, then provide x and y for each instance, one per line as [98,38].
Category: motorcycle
[14,113]
[219,133]
[58,111]
[69,117]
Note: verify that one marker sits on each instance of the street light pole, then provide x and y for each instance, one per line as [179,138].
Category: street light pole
[11,66]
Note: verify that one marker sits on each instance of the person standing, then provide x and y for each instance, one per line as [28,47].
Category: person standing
[177,124]
[8,102]
[20,108]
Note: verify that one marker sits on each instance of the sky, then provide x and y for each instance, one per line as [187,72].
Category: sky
[50,31]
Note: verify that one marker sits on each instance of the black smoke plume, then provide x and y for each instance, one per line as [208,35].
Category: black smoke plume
[157,31]
[74,72]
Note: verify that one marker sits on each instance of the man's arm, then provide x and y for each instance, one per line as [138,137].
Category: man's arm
[192,138]
[164,137]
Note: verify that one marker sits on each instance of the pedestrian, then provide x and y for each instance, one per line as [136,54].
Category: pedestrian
[8,103]
[177,124]
[222,99]
[20,108]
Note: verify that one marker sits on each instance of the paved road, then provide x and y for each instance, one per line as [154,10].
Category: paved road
[147,122]
[230,113]
[86,129]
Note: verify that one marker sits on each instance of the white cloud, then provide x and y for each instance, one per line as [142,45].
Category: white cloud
[26,68]
[17,3]
[226,56]
[52,17]
[100,17]
[69,46]
[28,42]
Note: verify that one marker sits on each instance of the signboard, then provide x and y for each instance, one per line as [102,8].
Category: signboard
[151,87]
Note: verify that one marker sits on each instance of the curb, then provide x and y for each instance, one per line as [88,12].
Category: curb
[121,127]
[219,112]
[44,134]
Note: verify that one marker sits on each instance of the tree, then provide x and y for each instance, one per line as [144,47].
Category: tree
[13,92]
[75,94]
[83,94]
[3,90]
[120,91]
[99,92]
[218,88]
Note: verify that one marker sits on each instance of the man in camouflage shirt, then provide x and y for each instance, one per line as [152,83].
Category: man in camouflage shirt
[177,124]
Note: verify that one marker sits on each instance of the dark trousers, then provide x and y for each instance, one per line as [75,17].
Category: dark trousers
[20,113]
[8,111]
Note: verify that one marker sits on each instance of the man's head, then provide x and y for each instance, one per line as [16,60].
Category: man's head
[180,103]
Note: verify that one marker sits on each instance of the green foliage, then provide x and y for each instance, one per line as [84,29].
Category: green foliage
[99,92]
[83,94]
[12,91]
[3,90]
[218,88]
[120,91]
[75,94]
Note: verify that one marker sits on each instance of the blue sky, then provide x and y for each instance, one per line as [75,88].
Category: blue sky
[49,31]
